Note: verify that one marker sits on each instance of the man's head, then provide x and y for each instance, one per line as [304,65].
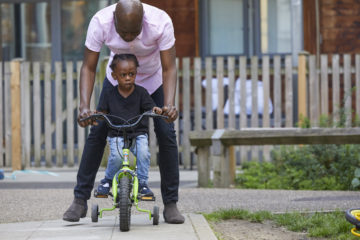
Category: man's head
[128,18]
[124,68]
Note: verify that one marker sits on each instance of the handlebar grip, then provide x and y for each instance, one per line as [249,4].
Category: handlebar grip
[152,114]
[93,116]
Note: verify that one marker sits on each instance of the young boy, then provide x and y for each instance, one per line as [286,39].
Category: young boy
[127,101]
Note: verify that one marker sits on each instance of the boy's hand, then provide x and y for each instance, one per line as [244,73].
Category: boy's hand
[171,112]
[157,110]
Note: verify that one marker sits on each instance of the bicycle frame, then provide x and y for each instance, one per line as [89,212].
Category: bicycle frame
[126,170]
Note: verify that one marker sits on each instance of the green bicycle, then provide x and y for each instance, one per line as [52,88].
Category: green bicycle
[125,183]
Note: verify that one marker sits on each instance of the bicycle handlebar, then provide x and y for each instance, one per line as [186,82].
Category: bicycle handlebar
[122,126]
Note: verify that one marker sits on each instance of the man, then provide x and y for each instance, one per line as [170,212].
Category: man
[147,32]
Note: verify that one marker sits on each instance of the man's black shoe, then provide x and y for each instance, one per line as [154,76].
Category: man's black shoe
[77,210]
[172,214]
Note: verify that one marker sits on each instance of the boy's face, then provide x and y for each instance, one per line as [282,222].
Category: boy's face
[125,73]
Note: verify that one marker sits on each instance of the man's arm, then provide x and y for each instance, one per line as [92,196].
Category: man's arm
[168,62]
[87,79]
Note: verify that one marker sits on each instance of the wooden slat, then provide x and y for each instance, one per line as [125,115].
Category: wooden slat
[58,114]
[152,143]
[47,113]
[186,112]
[231,117]
[288,92]
[254,92]
[347,89]
[243,77]
[81,131]
[302,89]
[243,115]
[197,93]
[324,85]
[2,143]
[277,91]
[70,114]
[357,87]
[313,90]
[26,116]
[254,103]
[220,89]
[335,88]
[266,89]
[176,123]
[16,155]
[208,91]
[286,136]
[231,91]
[283,136]
[7,107]
[37,113]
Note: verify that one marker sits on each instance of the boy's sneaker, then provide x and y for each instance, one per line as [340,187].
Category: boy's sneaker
[144,190]
[104,187]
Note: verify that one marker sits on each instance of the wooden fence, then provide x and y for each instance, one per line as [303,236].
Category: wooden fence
[38,102]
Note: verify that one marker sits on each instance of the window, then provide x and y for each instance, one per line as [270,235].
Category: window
[245,27]
[46,30]
[227,28]
[75,18]
[275,26]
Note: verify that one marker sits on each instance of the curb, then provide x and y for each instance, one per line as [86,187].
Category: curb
[201,227]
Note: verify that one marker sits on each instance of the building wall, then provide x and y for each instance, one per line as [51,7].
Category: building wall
[183,14]
[340,26]
[339,22]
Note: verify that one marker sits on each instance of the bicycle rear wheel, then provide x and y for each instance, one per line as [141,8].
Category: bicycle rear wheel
[124,204]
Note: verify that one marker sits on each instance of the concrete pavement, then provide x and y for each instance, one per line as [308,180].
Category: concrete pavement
[194,228]
[39,195]
[44,197]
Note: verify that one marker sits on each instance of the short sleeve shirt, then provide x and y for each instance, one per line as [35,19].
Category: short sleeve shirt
[157,35]
[128,108]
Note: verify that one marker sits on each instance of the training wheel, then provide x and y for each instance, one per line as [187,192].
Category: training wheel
[155,215]
[94,213]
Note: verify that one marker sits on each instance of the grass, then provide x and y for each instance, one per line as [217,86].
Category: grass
[331,225]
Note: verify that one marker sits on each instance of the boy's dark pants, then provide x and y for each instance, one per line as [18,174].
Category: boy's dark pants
[168,154]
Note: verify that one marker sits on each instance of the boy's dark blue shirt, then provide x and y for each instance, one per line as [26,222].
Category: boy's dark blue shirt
[136,103]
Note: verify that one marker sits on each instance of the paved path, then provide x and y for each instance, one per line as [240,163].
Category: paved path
[44,198]
[194,228]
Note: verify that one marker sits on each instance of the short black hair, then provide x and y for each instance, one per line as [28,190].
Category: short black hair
[123,57]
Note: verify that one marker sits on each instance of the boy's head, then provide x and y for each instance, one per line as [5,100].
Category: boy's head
[123,68]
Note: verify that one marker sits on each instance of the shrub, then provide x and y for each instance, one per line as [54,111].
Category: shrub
[316,167]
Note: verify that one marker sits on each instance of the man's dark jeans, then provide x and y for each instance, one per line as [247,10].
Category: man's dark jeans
[168,154]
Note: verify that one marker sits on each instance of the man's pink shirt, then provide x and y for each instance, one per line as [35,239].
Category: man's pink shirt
[157,35]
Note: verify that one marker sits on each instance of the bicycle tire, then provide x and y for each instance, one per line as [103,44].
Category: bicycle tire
[124,204]
[350,216]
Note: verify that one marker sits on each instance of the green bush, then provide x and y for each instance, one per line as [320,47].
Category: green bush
[316,167]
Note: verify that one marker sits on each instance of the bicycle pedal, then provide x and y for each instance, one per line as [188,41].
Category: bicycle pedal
[101,196]
[147,198]
[98,195]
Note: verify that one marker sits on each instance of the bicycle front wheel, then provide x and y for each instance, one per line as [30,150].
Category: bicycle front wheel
[124,204]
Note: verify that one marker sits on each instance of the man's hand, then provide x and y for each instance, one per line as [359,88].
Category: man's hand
[171,112]
[84,113]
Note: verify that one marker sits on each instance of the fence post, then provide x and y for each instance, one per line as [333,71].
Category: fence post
[36,113]
[2,143]
[302,91]
[15,115]
[185,153]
